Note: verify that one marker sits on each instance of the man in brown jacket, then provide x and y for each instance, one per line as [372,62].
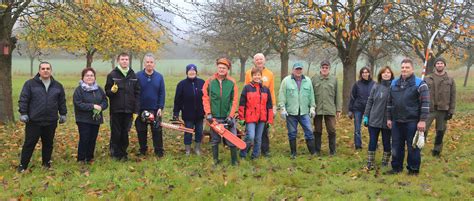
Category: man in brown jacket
[443,101]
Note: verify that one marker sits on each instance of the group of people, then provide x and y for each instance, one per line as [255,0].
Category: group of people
[395,107]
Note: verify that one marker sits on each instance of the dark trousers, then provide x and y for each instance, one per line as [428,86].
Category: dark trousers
[156,134]
[33,132]
[330,121]
[119,126]
[374,137]
[197,125]
[87,139]
[265,146]
[403,133]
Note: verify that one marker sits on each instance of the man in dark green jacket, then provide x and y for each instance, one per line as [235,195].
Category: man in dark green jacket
[328,106]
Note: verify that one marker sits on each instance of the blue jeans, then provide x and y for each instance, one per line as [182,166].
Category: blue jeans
[253,137]
[357,123]
[292,123]
[403,133]
[374,138]
[197,125]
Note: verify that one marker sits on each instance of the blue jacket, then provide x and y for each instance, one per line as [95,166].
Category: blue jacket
[409,100]
[188,99]
[359,95]
[152,90]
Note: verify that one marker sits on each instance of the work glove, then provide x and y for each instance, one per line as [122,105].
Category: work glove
[114,88]
[283,113]
[62,119]
[350,115]
[312,112]
[209,118]
[242,122]
[24,118]
[449,116]
[419,140]
[229,122]
[366,121]
[95,114]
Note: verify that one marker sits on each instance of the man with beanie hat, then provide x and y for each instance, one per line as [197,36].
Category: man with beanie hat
[220,100]
[442,103]
[296,103]
[188,101]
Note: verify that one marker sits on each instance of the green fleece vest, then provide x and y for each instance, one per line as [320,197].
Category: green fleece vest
[221,104]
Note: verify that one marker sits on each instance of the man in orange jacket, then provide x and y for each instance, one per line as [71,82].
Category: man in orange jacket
[267,81]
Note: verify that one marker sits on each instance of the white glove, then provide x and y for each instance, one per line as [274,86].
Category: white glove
[419,140]
[283,113]
[312,112]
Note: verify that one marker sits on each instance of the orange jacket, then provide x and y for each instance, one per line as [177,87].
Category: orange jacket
[267,81]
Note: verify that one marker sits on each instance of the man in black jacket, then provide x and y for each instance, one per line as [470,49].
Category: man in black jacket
[123,90]
[41,98]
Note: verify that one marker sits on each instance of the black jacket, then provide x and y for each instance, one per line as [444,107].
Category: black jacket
[39,105]
[188,99]
[127,98]
[359,95]
[84,102]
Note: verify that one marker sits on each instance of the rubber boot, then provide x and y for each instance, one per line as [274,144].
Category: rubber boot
[370,160]
[311,146]
[317,142]
[197,148]
[293,149]
[332,144]
[233,155]
[187,147]
[215,154]
[438,146]
[386,158]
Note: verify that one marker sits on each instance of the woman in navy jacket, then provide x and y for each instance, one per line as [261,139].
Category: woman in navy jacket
[359,95]
[89,102]
[188,100]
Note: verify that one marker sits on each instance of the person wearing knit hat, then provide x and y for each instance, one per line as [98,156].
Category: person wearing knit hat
[188,101]
[220,100]
[443,102]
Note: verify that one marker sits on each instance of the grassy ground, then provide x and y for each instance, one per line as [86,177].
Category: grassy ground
[194,178]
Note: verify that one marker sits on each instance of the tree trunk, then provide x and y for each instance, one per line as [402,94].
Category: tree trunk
[6,101]
[349,78]
[89,59]
[141,63]
[284,57]
[372,65]
[243,60]
[467,74]
[113,62]
[32,59]
[309,66]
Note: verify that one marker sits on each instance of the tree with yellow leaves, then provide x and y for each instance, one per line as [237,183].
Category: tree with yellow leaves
[87,29]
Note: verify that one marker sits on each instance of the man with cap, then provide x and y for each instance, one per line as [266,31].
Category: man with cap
[297,105]
[442,103]
[328,106]
[41,100]
[220,101]
[267,81]
[152,99]
[188,101]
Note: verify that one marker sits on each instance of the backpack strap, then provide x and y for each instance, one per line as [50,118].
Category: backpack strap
[418,81]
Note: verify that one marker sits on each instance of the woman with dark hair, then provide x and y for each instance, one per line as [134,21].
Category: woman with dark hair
[375,119]
[89,102]
[359,95]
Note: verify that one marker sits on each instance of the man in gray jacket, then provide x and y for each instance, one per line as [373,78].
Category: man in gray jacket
[442,103]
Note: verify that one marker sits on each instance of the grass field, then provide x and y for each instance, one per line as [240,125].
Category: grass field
[177,177]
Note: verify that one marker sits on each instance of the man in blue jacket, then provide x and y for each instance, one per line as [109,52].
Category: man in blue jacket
[41,98]
[152,99]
